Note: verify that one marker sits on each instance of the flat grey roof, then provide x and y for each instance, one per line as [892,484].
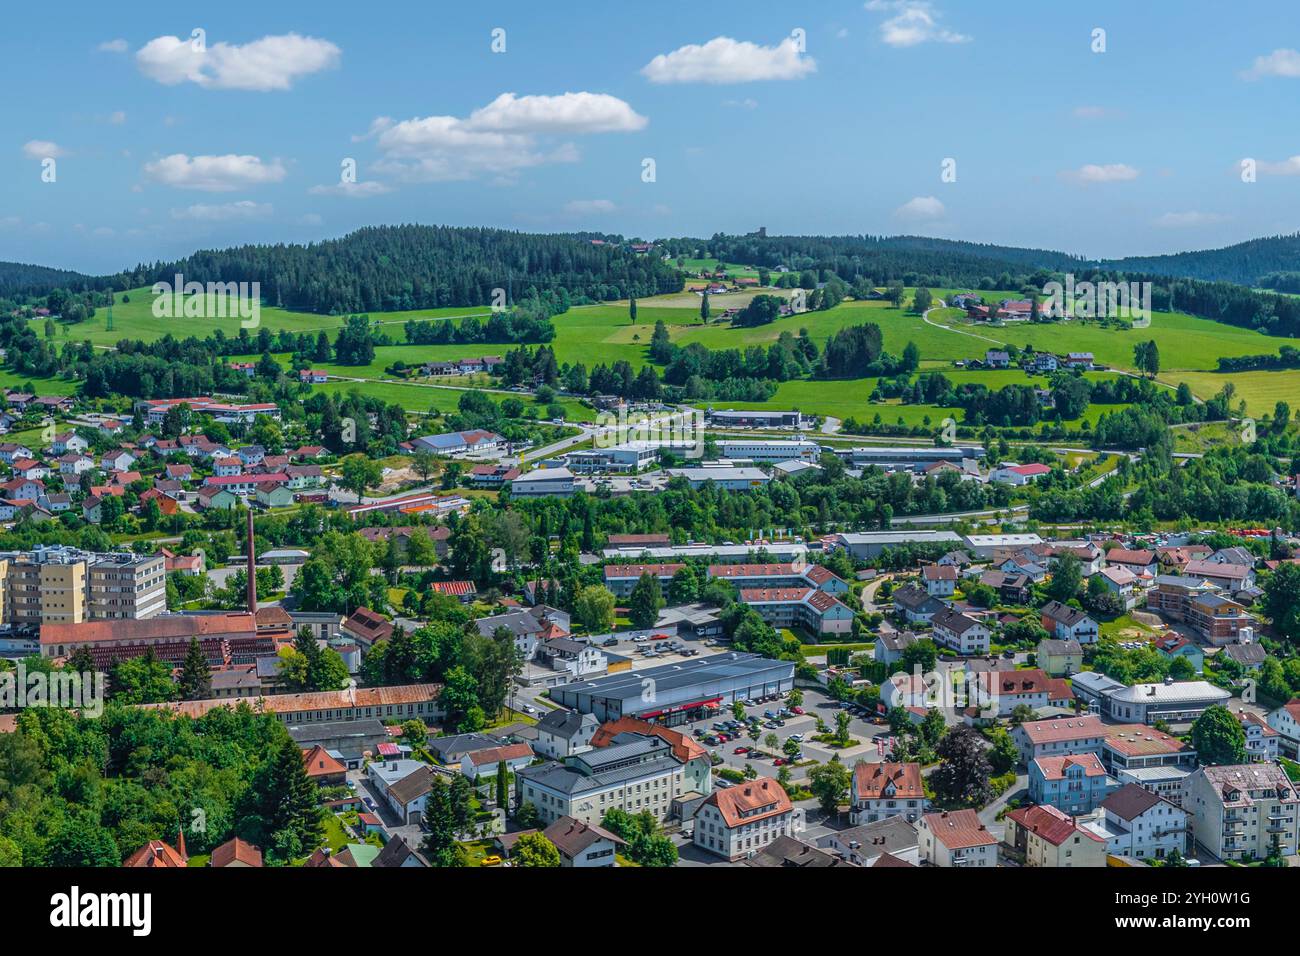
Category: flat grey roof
[624,686]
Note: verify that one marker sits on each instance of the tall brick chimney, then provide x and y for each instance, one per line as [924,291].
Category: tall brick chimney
[252,568]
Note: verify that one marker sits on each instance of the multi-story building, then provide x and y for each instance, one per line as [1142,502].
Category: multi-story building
[1059,737]
[1046,837]
[770,451]
[1261,740]
[1286,721]
[1218,618]
[1138,823]
[1172,701]
[738,822]
[1243,811]
[127,586]
[1172,593]
[1156,761]
[1075,784]
[786,575]
[69,586]
[814,611]
[883,790]
[621,579]
[956,838]
[641,775]
[960,633]
[1069,624]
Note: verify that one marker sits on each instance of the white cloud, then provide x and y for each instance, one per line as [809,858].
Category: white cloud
[352,190]
[747,103]
[1093,173]
[499,139]
[920,209]
[1184,220]
[567,113]
[112,46]
[311,219]
[724,60]
[912,22]
[213,173]
[224,212]
[1283,62]
[117,117]
[842,33]
[1287,167]
[43,149]
[271,63]
[589,207]
[1091,112]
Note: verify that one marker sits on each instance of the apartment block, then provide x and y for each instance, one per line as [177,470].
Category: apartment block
[69,586]
[1240,812]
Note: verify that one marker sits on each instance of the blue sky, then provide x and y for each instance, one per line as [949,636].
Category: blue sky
[835,118]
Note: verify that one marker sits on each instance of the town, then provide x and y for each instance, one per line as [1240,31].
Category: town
[482,441]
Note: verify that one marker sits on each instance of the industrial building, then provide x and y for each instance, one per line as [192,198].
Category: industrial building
[674,694]
[869,544]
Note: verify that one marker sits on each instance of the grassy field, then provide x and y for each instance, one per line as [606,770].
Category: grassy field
[1260,390]
[1189,347]
[133,318]
[844,398]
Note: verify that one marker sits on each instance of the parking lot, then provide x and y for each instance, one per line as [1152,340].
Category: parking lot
[815,703]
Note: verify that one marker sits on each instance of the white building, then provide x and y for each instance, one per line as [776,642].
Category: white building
[739,821]
[956,838]
[1238,812]
[770,451]
[543,482]
[725,478]
[1138,823]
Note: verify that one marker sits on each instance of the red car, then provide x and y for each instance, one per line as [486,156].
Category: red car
[796,710]
[741,750]
[723,738]
[779,762]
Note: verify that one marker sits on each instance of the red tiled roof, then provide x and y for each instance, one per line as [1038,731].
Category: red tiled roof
[684,748]
[737,804]
[320,764]
[236,850]
[1050,823]
[871,779]
[1053,768]
[958,829]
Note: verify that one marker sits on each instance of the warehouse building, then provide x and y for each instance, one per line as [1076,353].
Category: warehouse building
[674,694]
[869,544]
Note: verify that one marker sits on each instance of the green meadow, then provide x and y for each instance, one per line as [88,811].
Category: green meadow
[604,333]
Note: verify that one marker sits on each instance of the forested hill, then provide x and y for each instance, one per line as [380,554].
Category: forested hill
[942,262]
[387,268]
[17,278]
[1246,263]
[910,259]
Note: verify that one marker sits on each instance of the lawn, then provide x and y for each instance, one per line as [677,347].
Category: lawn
[594,334]
[843,398]
[133,318]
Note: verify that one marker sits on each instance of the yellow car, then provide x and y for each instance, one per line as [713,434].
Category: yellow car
[493,860]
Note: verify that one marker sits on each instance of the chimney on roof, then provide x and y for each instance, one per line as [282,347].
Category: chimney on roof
[252,570]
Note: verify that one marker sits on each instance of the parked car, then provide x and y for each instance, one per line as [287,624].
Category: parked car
[797,710]
[740,750]
[492,860]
